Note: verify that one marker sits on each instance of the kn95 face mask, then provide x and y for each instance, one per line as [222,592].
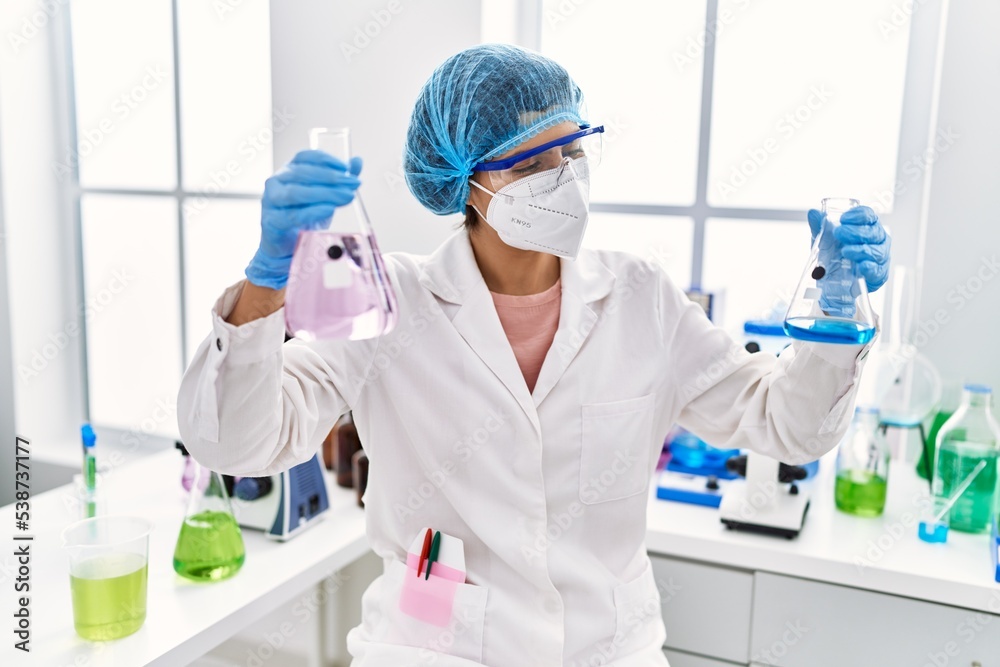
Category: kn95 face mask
[545,212]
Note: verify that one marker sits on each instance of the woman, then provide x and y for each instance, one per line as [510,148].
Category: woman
[520,404]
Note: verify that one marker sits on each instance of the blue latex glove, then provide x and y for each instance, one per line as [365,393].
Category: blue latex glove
[859,238]
[302,195]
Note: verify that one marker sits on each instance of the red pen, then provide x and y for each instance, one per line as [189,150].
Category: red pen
[424,552]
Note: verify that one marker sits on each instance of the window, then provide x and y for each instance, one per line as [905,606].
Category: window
[665,240]
[736,116]
[725,120]
[131,278]
[173,129]
[125,129]
[611,48]
[806,102]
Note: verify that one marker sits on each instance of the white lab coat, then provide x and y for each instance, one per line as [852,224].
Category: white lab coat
[547,489]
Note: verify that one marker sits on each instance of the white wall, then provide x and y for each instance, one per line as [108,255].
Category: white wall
[41,266]
[371,90]
[963,228]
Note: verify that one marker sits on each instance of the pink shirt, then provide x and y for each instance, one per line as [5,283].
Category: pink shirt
[530,323]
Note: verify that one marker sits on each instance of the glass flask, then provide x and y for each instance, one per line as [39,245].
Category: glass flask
[337,285]
[210,545]
[971,435]
[831,301]
[862,466]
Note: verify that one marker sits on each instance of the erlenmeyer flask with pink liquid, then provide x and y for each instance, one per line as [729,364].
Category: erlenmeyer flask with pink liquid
[337,285]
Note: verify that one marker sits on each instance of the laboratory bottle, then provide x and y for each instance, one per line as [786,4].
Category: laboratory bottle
[348,444]
[359,466]
[330,447]
[338,287]
[830,304]
[971,435]
[210,544]
[862,466]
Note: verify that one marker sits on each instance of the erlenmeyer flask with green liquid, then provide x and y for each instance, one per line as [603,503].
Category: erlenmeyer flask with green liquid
[210,545]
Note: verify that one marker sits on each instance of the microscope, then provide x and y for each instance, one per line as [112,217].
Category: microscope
[770,502]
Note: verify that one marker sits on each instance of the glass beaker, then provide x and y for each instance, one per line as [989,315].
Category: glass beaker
[210,544]
[108,558]
[862,466]
[337,285]
[831,301]
[970,436]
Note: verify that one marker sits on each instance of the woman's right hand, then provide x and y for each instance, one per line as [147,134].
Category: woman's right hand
[302,195]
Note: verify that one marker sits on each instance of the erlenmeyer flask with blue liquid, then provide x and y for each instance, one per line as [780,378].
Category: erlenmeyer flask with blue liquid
[831,301]
[338,287]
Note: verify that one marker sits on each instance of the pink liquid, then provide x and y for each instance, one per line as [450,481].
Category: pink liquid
[338,288]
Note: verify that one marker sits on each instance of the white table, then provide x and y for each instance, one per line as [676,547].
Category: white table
[868,591]
[184,619]
[957,573]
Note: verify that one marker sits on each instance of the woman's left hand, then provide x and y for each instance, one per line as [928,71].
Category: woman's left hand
[863,240]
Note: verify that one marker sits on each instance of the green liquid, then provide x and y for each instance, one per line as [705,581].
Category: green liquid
[860,492]
[209,547]
[925,466]
[109,596]
[973,511]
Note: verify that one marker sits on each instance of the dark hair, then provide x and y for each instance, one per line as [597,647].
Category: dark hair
[471,221]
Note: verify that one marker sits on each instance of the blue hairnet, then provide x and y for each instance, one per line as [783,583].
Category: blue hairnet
[480,103]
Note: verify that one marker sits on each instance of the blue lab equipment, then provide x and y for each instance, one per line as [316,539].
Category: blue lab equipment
[692,455]
[995,549]
[284,504]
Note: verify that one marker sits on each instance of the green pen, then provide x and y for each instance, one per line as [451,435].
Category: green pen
[435,547]
[89,466]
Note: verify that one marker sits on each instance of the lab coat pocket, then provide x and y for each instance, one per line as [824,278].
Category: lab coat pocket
[639,616]
[462,636]
[614,449]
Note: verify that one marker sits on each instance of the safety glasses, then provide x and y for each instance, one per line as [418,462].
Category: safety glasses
[587,144]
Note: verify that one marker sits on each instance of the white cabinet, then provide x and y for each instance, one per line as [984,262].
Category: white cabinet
[681,659]
[706,609]
[800,623]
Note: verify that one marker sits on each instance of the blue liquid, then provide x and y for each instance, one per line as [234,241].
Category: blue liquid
[845,332]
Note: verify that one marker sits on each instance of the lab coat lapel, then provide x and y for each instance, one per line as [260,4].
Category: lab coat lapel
[585,282]
[453,275]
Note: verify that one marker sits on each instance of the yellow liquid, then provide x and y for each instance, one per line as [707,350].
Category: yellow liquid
[109,596]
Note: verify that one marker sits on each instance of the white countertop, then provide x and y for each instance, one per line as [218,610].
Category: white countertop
[184,619]
[957,573]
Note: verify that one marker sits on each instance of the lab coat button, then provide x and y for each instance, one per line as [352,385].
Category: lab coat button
[218,344]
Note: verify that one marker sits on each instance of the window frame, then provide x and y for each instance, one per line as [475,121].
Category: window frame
[909,214]
[917,129]
[74,192]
